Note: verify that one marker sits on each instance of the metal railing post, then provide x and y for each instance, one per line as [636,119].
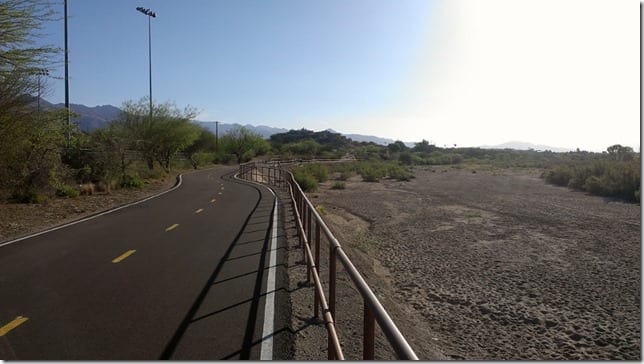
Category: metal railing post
[308,235]
[316,299]
[332,272]
[305,212]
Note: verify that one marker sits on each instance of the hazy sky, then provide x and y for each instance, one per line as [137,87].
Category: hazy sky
[469,72]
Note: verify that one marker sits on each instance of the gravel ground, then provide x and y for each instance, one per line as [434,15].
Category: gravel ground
[22,219]
[491,266]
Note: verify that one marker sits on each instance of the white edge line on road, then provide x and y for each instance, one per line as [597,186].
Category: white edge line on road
[93,216]
[269,307]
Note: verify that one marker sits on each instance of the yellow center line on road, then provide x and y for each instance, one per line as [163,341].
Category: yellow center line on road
[123,256]
[172,227]
[12,325]
[198,211]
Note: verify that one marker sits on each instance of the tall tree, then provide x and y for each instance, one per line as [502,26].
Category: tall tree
[21,57]
[161,136]
[29,143]
[244,144]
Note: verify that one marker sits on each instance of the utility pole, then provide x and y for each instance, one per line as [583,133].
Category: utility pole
[69,115]
[216,136]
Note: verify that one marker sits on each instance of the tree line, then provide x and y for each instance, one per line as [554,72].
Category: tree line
[41,155]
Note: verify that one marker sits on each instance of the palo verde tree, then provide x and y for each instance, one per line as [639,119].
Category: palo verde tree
[21,57]
[202,150]
[244,144]
[30,144]
[160,137]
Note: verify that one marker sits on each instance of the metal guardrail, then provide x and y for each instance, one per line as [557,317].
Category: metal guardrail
[309,222]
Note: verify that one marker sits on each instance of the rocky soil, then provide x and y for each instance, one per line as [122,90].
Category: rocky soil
[17,220]
[485,266]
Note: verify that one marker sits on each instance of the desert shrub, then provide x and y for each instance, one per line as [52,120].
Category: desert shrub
[29,196]
[343,176]
[67,191]
[129,181]
[224,158]
[371,174]
[559,176]
[202,159]
[399,173]
[406,158]
[339,186]
[602,177]
[319,171]
[307,181]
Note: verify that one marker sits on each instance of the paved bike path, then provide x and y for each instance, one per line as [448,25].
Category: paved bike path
[181,276]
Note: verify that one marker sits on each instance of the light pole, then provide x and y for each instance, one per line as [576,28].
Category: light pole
[69,115]
[40,72]
[150,14]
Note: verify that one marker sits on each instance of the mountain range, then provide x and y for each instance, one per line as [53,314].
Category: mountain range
[96,117]
[526,146]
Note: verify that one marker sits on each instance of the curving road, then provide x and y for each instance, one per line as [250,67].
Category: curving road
[182,276]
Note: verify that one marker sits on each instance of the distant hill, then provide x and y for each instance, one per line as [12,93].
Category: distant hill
[264,131]
[526,146]
[366,138]
[96,117]
[90,118]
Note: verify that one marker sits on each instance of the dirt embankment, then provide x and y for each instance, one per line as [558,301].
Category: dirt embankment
[495,266]
[22,219]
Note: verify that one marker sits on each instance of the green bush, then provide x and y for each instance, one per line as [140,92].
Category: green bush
[307,181]
[338,186]
[406,158]
[559,176]
[28,197]
[67,191]
[319,171]
[371,174]
[399,173]
[594,185]
[344,176]
[223,158]
[129,181]
[600,177]
[202,159]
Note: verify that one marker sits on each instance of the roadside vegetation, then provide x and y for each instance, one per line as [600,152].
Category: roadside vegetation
[43,157]
[614,173]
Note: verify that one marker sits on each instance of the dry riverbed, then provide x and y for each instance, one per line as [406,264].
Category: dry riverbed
[492,266]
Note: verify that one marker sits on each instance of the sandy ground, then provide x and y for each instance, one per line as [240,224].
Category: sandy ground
[488,266]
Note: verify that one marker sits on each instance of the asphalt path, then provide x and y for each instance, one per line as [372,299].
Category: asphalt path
[182,276]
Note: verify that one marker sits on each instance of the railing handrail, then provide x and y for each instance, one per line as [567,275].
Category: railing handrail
[389,328]
[394,336]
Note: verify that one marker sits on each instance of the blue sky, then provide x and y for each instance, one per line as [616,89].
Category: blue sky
[273,62]
[466,72]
